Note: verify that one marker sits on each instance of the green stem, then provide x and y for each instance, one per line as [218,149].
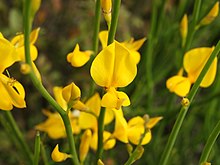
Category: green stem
[192,28]
[37,149]
[40,87]
[96,26]
[100,134]
[114,22]
[44,154]
[19,136]
[148,53]
[138,150]
[209,144]
[184,109]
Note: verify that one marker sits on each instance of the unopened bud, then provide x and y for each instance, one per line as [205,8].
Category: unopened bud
[71,94]
[184,28]
[25,68]
[107,10]
[35,5]
[211,15]
[185,102]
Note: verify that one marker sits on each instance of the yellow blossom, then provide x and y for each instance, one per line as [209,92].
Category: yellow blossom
[79,58]
[54,126]
[193,63]
[91,114]
[115,99]
[211,15]
[18,42]
[71,94]
[136,128]
[8,54]
[179,85]
[114,67]
[12,92]
[58,156]
[132,45]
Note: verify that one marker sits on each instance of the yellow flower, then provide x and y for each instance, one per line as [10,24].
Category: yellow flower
[137,126]
[121,127]
[71,94]
[18,43]
[115,99]
[79,58]
[12,92]
[134,46]
[8,54]
[211,15]
[91,114]
[193,63]
[113,67]
[179,85]
[58,156]
[131,45]
[54,126]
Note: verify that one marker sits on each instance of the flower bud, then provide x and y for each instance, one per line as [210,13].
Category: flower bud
[25,68]
[35,5]
[211,15]
[107,10]
[184,28]
[71,94]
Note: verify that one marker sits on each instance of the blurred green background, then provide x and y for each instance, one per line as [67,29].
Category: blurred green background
[65,23]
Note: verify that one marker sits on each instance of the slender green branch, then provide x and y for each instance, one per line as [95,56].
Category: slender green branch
[37,149]
[100,134]
[184,109]
[148,53]
[96,26]
[44,154]
[114,22]
[209,144]
[19,136]
[40,87]
[192,28]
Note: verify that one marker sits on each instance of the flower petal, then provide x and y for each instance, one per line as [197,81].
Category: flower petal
[8,54]
[113,66]
[109,142]
[84,145]
[103,37]
[58,156]
[121,127]
[78,58]
[179,85]
[14,90]
[194,61]
[59,97]
[115,99]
